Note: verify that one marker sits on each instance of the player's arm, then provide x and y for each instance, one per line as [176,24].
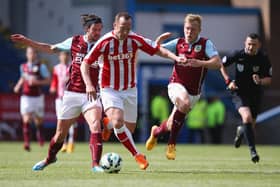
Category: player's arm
[228,81]
[90,89]
[43,47]
[89,59]
[165,53]
[211,52]
[18,85]
[224,73]
[265,78]
[266,81]
[162,37]
[213,63]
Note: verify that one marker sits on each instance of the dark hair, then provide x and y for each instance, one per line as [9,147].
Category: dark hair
[254,36]
[125,15]
[89,19]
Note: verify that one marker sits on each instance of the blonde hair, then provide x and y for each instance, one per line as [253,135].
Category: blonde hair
[193,17]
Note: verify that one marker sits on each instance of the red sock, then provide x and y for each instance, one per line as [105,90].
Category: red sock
[125,137]
[177,123]
[40,134]
[161,129]
[25,134]
[54,147]
[95,145]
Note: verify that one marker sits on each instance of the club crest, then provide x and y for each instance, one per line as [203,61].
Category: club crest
[240,67]
[197,48]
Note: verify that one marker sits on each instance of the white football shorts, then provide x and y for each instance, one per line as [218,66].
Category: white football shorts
[74,103]
[32,104]
[176,89]
[125,100]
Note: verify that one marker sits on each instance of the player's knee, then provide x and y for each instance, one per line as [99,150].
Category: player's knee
[117,123]
[95,126]
[183,105]
[247,118]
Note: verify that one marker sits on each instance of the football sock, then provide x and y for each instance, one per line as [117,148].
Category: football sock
[25,133]
[54,147]
[71,134]
[249,134]
[177,123]
[162,129]
[125,137]
[95,145]
[40,134]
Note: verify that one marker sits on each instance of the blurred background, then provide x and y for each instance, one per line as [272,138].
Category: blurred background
[225,22]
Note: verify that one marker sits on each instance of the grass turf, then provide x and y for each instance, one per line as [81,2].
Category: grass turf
[195,165]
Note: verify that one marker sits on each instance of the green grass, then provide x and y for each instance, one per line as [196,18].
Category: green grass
[201,165]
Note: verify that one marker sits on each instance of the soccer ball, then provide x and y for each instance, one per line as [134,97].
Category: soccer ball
[111,162]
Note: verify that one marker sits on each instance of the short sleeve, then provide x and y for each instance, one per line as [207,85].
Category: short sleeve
[210,49]
[65,45]
[171,45]
[44,71]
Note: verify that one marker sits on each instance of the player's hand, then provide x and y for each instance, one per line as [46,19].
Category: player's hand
[256,79]
[163,37]
[194,62]
[18,38]
[232,86]
[91,93]
[181,59]
[16,89]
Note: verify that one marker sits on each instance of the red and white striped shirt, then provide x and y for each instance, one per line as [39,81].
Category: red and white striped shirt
[118,59]
[59,79]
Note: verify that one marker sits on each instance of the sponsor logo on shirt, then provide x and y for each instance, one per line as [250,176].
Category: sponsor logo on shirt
[79,57]
[121,56]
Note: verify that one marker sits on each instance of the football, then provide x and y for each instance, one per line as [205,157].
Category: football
[111,162]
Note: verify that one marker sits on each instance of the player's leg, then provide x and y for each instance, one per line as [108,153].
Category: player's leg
[39,129]
[156,131]
[182,101]
[121,107]
[93,117]
[107,127]
[38,107]
[247,121]
[26,121]
[239,136]
[58,110]
[71,110]
[70,139]
[238,101]
[55,143]
[26,114]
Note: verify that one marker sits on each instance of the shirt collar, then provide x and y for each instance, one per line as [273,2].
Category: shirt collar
[195,40]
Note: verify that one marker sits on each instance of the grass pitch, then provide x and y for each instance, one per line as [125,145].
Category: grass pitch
[200,165]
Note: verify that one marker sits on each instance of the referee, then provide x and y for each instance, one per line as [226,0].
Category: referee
[252,71]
